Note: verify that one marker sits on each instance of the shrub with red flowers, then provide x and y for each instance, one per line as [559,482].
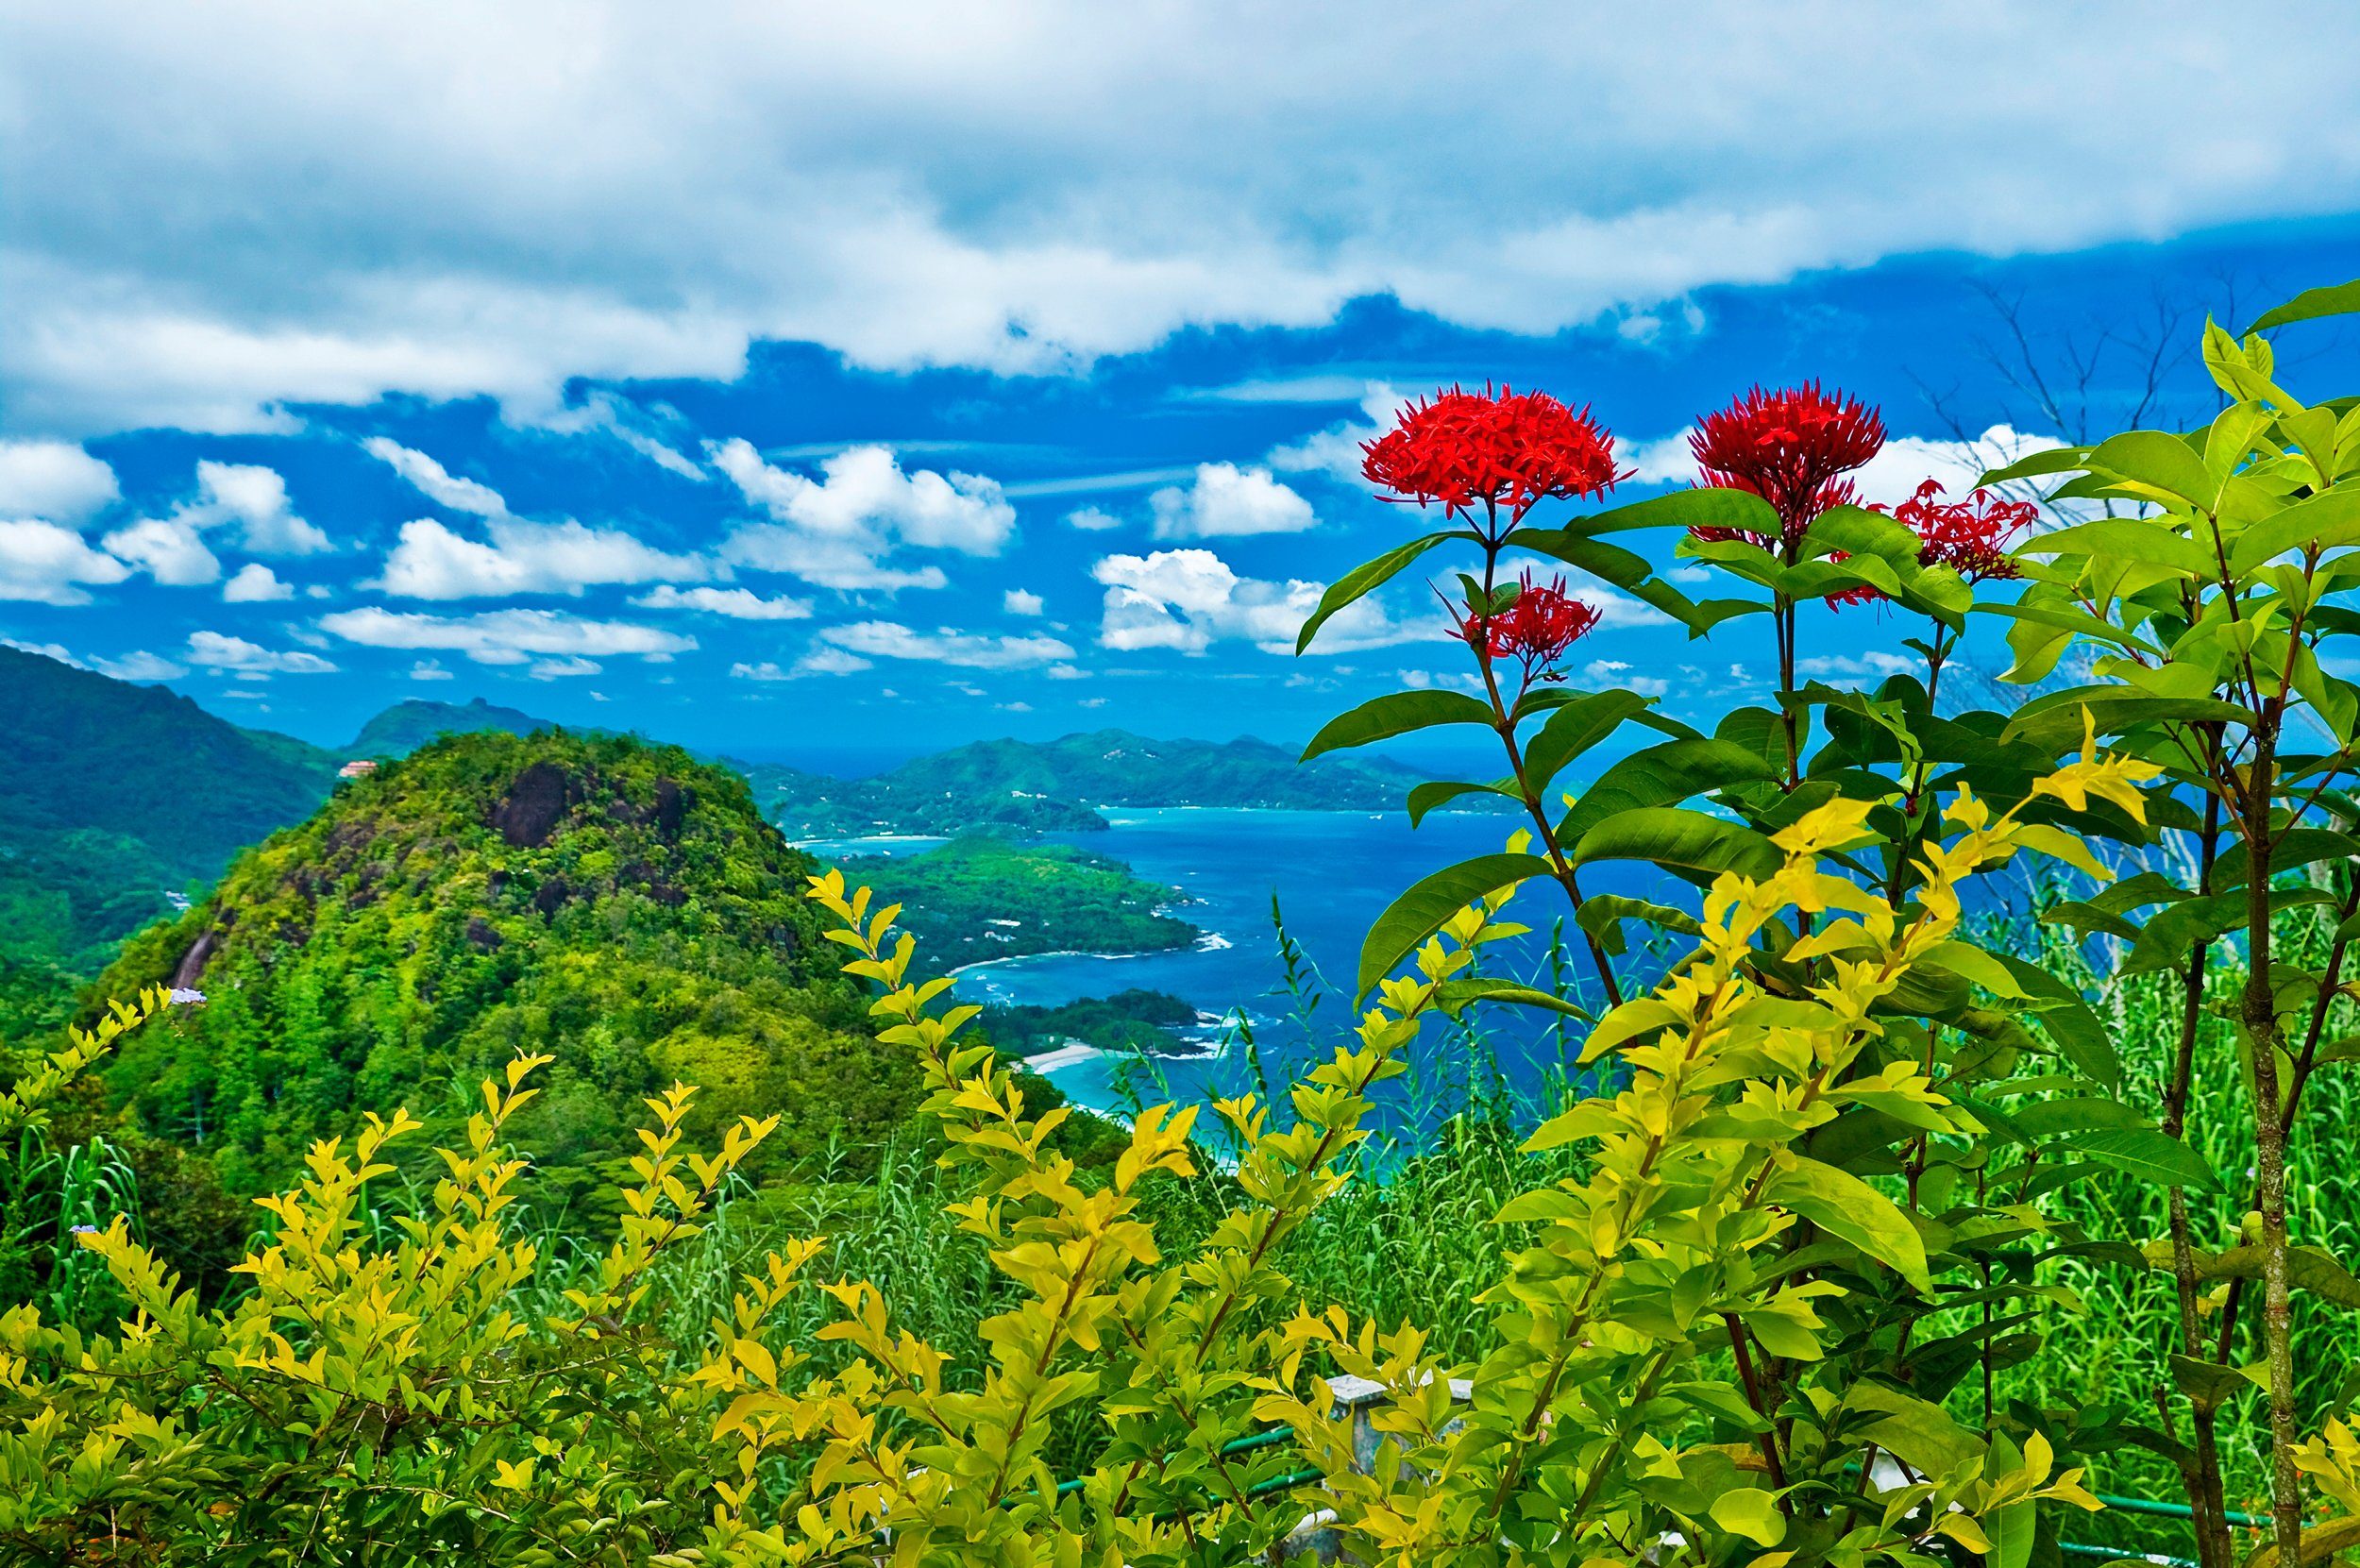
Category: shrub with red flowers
[1970,537]
[1504,451]
[1535,629]
[1791,447]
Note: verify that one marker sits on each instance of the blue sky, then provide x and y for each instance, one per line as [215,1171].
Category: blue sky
[839,387]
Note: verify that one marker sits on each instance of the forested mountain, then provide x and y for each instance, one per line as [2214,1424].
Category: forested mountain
[406,726]
[1053,786]
[617,905]
[113,793]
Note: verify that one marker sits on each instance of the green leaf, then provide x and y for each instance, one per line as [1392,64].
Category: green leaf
[1703,507]
[1921,1435]
[1574,728]
[1428,906]
[1662,775]
[2056,460]
[2325,522]
[1687,843]
[2142,540]
[1368,577]
[1842,1204]
[1431,797]
[1749,1511]
[2010,1530]
[1454,995]
[2158,463]
[2336,299]
[1603,914]
[1398,713]
[2081,1036]
[2148,1156]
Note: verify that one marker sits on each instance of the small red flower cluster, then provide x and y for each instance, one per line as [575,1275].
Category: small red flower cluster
[1535,629]
[1791,447]
[1507,450]
[1970,536]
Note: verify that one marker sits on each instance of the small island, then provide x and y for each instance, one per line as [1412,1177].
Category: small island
[978,899]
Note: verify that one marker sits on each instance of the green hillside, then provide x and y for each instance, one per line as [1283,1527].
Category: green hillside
[114,795]
[977,897]
[617,905]
[407,726]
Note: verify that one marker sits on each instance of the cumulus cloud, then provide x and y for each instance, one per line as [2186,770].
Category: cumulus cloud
[828,660]
[167,549]
[1614,672]
[1336,450]
[429,669]
[762,671]
[251,501]
[560,669]
[1186,600]
[1119,175]
[432,479]
[1019,602]
[884,639]
[736,603]
[505,636]
[226,655]
[53,479]
[139,664]
[255,584]
[430,561]
[1091,519]
[839,529]
[1861,669]
[48,565]
[1225,500]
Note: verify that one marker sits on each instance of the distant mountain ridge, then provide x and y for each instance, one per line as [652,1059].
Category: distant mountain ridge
[1055,786]
[407,726]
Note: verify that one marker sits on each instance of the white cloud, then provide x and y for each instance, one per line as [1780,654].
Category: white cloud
[434,482]
[827,661]
[1864,668]
[839,531]
[1616,610]
[1665,460]
[884,639]
[226,655]
[429,669]
[736,603]
[764,671]
[49,565]
[1186,600]
[1424,680]
[47,650]
[255,584]
[1018,601]
[1112,175]
[1614,672]
[1090,519]
[431,562]
[139,664]
[504,636]
[1225,500]
[1336,450]
[254,499]
[167,549]
[1690,574]
[558,670]
[1065,672]
[53,479]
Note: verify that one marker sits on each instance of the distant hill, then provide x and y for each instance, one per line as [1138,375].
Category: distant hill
[617,905]
[113,795]
[1053,786]
[407,726]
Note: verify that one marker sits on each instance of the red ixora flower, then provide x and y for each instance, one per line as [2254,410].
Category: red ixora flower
[1535,629]
[1791,447]
[1501,450]
[1970,537]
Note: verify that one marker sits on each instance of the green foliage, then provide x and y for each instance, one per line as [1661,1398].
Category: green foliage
[616,907]
[1128,1020]
[978,898]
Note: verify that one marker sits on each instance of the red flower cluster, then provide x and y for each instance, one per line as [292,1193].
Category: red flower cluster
[1970,536]
[1507,450]
[1535,629]
[1792,448]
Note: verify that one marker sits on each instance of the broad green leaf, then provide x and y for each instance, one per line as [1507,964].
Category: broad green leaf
[2336,299]
[2136,539]
[1368,577]
[1842,1204]
[2066,1015]
[2327,522]
[2053,460]
[1398,713]
[2148,1156]
[1920,1434]
[1603,914]
[1455,995]
[2161,463]
[1428,906]
[1574,728]
[1662,775]
[1703,507]
[1432,797]
[1749,1511]
[1687,843]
